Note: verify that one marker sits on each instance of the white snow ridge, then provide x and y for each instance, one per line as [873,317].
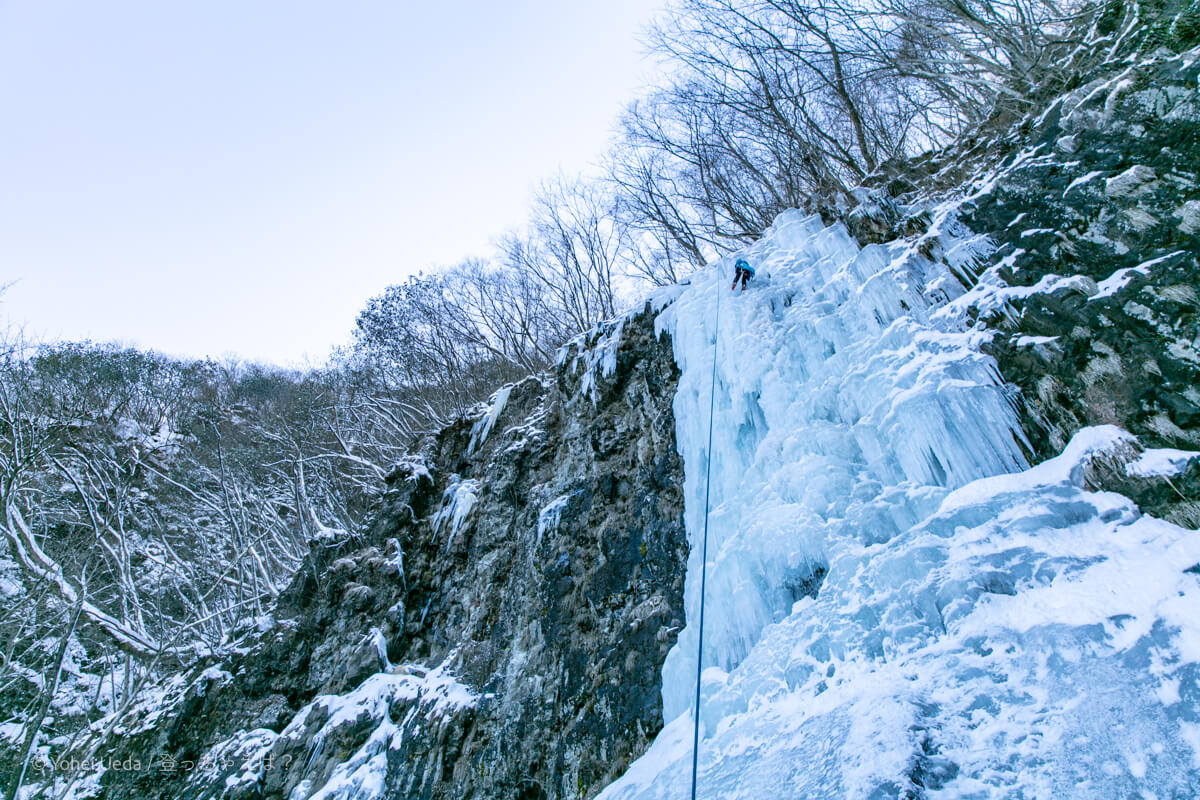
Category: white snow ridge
[897,605]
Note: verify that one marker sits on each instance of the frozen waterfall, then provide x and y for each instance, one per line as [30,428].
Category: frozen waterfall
[897,604]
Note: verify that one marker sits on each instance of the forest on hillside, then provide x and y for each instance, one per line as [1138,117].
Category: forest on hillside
[153,507]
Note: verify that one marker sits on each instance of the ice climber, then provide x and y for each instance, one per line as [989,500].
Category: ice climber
[742,272]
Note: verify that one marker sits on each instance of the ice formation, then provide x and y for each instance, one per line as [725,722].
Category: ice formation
[897,605]
[457,502]
[483,428]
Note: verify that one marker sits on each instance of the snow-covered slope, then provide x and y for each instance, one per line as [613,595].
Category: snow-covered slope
[897,605]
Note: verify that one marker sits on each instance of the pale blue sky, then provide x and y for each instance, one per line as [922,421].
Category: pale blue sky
[214,177]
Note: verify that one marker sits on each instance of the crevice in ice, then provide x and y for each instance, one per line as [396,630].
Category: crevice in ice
[754,428]
[938,472]
[800,582]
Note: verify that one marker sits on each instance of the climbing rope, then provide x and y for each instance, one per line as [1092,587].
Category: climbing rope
[704,547]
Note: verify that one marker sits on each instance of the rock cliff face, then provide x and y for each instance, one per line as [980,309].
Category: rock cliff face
[1106,190]
[498,633]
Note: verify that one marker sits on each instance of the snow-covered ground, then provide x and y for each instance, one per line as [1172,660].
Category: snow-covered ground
[981,629]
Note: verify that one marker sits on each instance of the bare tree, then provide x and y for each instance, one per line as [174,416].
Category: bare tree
[668,239]
[506,313]
[970,60]
[441,342]
[775,104]
[575,248]
[33,725]
[767,106]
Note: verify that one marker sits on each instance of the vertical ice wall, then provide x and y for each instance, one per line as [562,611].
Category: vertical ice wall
[841,401]
[840,658]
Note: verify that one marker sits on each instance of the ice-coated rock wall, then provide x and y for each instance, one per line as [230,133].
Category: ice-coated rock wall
[897,604]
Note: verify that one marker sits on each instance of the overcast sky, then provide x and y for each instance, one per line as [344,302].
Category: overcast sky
[214,177]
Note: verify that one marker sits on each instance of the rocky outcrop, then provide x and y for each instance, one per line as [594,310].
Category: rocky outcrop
[1096,225]
[498,633]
